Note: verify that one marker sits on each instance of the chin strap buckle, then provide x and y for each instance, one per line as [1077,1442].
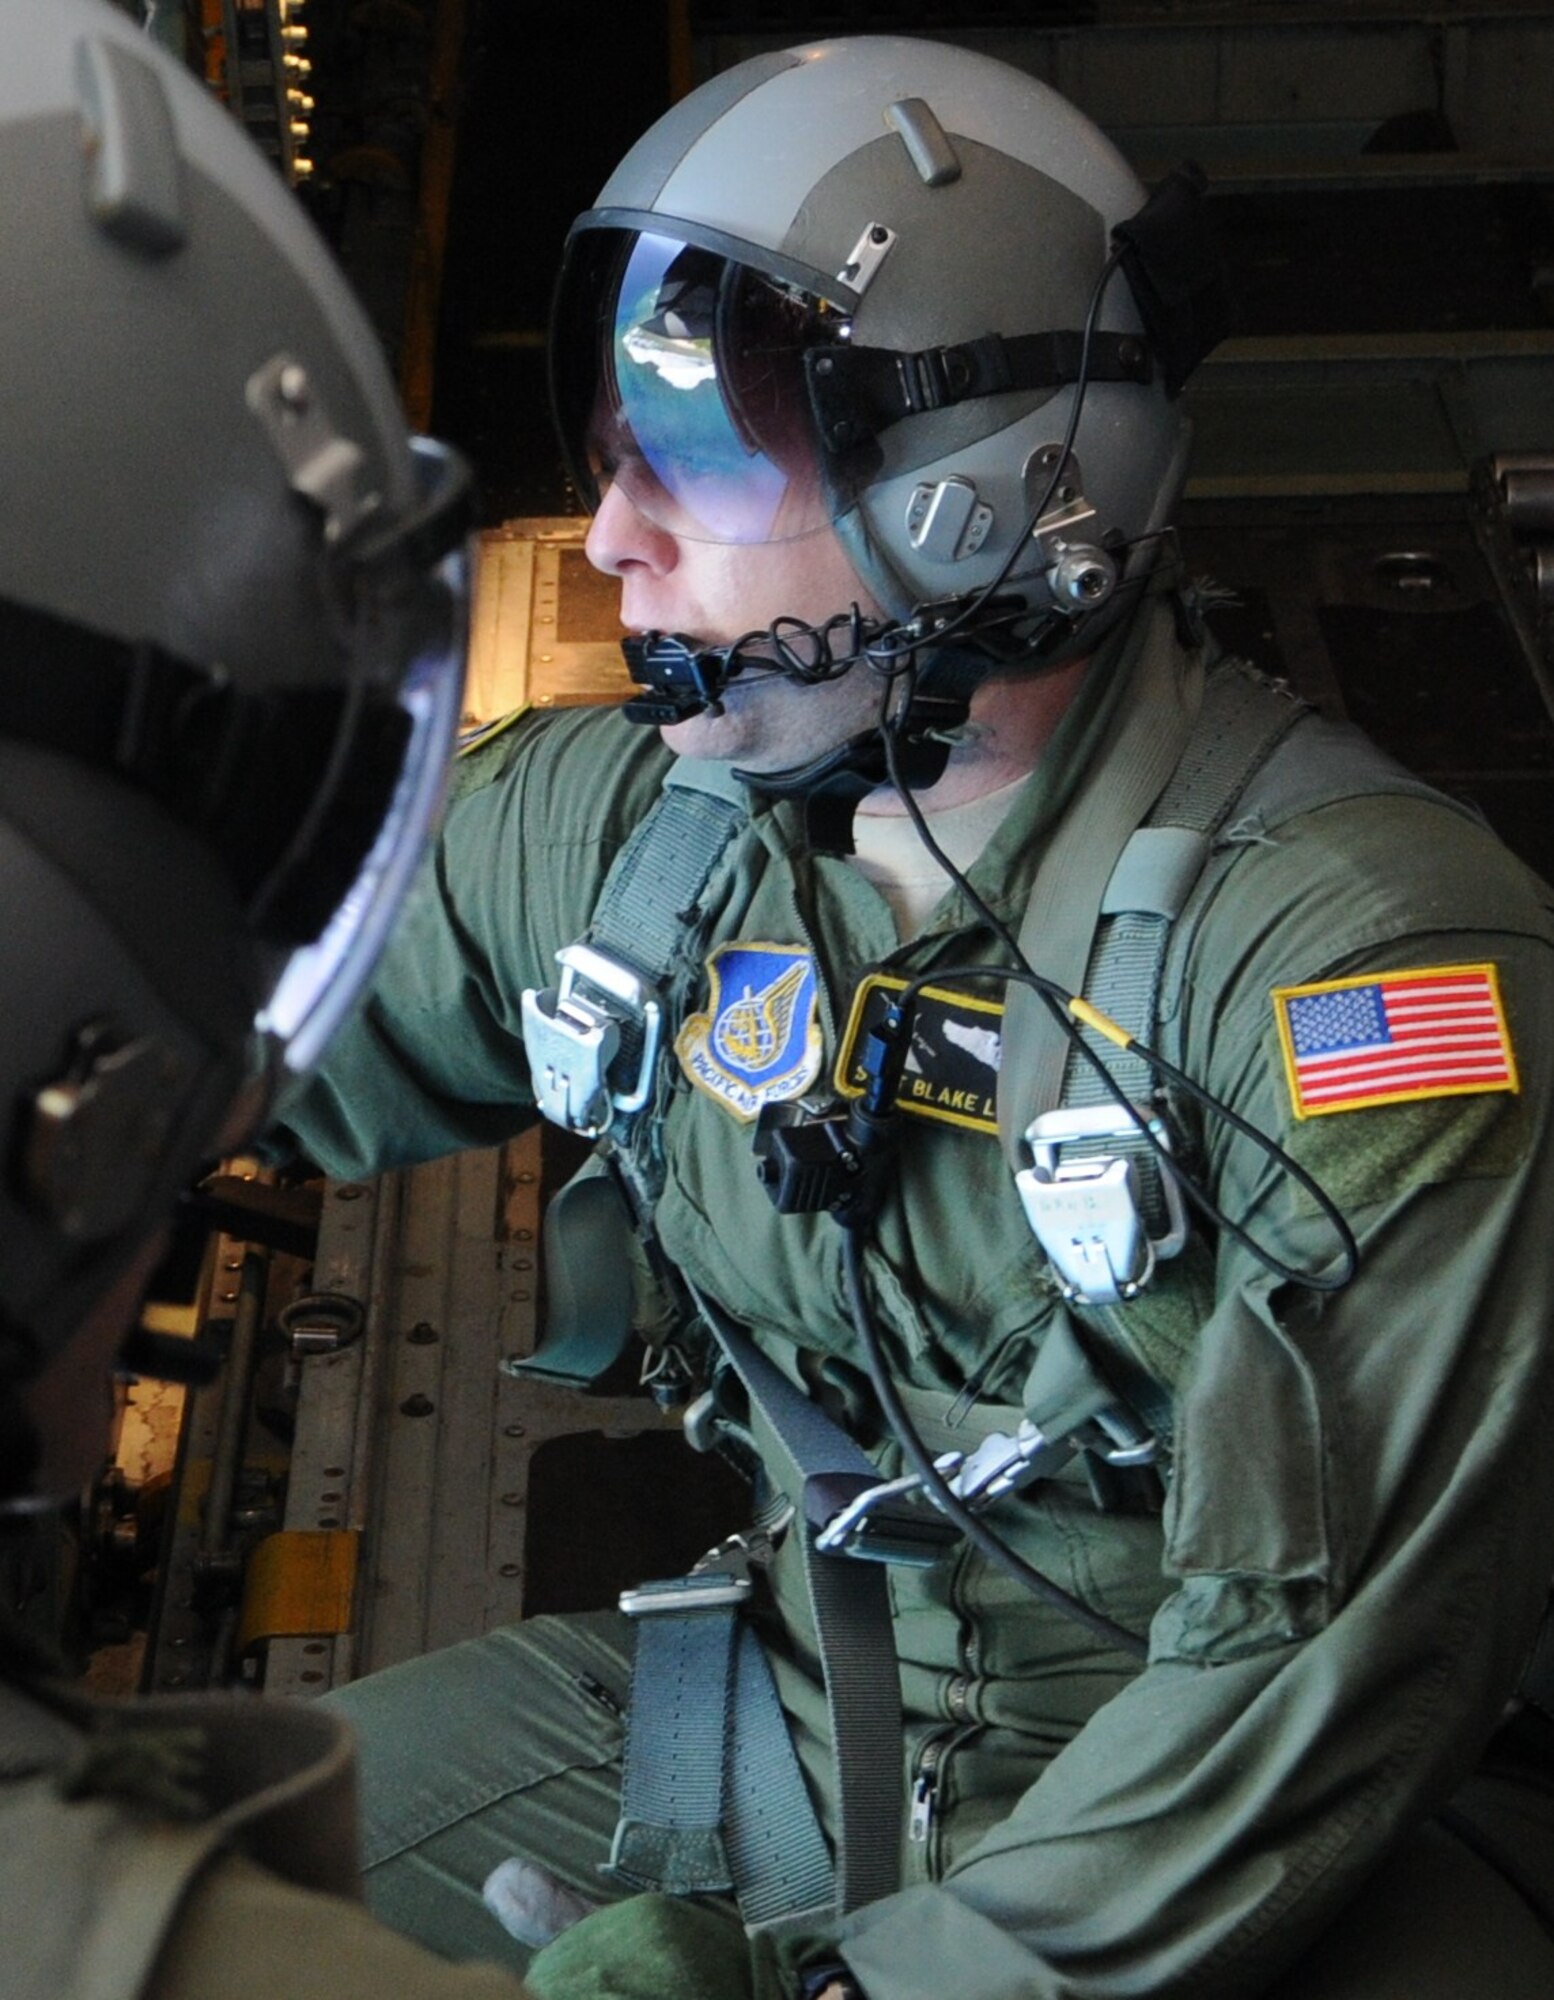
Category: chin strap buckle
[603,1017]
[1085,1212]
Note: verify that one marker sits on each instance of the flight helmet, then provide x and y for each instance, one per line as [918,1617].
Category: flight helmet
[232,603]
[847,286]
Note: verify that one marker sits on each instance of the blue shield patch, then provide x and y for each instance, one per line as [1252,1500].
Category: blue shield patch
[759,1040]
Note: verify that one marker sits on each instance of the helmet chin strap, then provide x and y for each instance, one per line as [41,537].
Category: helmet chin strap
[680,678]
[923,731]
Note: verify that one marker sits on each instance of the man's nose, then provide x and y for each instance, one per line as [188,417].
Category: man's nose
[621,537]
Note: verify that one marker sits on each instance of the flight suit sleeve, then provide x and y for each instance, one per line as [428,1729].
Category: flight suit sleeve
[247,1935]
[433,1062]
[1359,1529]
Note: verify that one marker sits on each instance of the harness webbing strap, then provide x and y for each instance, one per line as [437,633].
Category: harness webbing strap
[1240,723]
[647,908]
[850,1606]
[649,914]
[1055,936]
[779,1857]
[677,1728]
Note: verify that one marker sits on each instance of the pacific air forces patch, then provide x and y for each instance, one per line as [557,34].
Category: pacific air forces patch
[759,1041]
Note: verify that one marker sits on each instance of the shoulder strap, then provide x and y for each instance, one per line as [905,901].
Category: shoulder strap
[1241,725]
[1319,763]
[651,913]
[649,909]
[1130,771]
[1255,760]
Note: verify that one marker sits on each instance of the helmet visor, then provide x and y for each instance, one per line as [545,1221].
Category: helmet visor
[391,779]
[678,375]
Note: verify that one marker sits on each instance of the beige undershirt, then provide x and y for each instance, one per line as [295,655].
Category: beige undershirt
[889,853]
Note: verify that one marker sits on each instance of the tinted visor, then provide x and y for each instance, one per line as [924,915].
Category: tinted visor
[678,374]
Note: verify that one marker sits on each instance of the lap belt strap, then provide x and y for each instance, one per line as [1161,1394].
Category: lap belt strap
[850,1606]
[703,1700]
[712,1797]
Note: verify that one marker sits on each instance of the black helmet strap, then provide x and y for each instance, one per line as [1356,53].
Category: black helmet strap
[858,392]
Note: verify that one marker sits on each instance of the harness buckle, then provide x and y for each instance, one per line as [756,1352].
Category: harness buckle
[1085,1213]
[869,1526]
[574,1033]
[702,1590]
[1003,1464]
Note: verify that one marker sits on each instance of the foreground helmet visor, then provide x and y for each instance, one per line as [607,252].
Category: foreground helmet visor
[397,767]
[678,374]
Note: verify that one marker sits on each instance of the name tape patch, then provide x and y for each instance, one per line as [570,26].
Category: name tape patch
[759,1041]
[1391,1037]
[951,1069]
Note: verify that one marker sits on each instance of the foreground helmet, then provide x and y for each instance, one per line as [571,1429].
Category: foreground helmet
[847,285]
[231,613]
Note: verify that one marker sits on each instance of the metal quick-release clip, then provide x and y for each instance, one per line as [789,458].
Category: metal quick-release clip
[1085,1212]
[575,1033]
[876,1526]
[720,1581]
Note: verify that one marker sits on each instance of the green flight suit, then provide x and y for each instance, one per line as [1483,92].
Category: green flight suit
[1358,1531]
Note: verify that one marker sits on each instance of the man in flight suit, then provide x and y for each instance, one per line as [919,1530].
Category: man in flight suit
[227,692]
[867,361]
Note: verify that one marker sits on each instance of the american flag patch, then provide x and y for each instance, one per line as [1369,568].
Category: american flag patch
[1388,1037]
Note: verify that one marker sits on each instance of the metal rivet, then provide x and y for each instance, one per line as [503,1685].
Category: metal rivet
[292,386]
[421,1334]
[514,1431]
[350,1192]
[511,1569]
[512,1499]
[417,1406]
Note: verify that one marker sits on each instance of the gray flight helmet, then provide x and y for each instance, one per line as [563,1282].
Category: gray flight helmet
[930,197]
[232,613]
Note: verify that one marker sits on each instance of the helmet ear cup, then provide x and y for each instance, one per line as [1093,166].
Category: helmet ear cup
[123,1050]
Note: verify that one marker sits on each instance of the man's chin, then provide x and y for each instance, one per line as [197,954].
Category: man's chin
[713,736]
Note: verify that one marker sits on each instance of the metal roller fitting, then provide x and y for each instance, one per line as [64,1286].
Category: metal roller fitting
[1082,579]
[1529,500]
